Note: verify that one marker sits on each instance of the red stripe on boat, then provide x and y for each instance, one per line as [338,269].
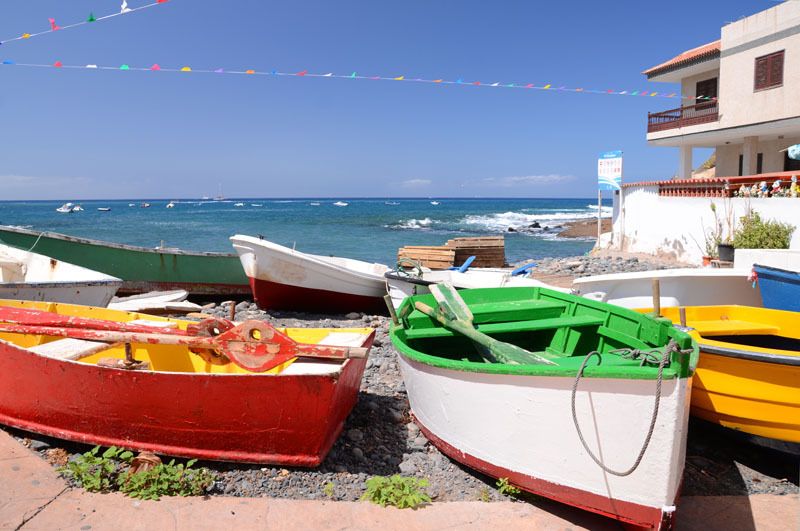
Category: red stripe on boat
[275,296]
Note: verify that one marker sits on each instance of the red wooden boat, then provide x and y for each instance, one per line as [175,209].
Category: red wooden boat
[189,402]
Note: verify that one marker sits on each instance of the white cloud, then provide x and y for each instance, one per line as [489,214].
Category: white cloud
[415,183]
[524,181]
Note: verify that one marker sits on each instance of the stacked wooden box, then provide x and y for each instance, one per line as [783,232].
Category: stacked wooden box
[489,251]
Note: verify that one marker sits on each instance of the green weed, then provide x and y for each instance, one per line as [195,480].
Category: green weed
[507,489]
[398,491]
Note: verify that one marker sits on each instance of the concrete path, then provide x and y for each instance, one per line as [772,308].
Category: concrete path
[33,497]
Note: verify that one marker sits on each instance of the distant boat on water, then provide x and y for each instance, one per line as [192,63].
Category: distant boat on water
[256,204]
[238,204]
[77,208]
[314,204]
[131,204]
[340,203]
[220,197]
[171,204]
[144,205]
[66,208]
[103,209]
[434,202]
[391,203]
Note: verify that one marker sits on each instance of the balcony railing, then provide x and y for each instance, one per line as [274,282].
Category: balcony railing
[700,113]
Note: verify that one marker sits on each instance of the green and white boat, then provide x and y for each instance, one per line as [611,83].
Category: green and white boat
[576,400]
[142,269]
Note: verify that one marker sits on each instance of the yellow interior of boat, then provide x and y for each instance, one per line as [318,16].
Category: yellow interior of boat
[164,358]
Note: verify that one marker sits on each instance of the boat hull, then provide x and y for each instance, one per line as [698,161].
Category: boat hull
[678,287]
[284,279]
[520,428]
[290,418]
[142,269]
[739,384]
[780,288]
[96,293]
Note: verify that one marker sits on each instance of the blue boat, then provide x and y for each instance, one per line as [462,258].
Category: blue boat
[780,288]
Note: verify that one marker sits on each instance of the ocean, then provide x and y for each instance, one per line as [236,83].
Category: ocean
[365,229]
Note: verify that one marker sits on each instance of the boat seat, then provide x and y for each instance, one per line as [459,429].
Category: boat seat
[71,349]
[727,327]
[514,326]
[506,312]
[11,269]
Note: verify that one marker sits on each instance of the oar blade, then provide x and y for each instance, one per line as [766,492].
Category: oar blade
[452,305]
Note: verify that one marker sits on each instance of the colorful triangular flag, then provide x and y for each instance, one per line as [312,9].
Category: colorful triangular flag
[302,73]
[26,35]
[250,72]
[186,69]
[53,24]
[352,75]
[58,63]
[155,67]
[124,67]
[124,7]
[91,17]
[218,70]
[399,78]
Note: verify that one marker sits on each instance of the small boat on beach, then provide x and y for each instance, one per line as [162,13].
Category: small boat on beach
[26,275]
[252,394]
[156,303]
[66,208]
[748,376]
[678,287]
[401,283]
[780,288]
[556,393]
[340,204]
[142,269]
[283,278]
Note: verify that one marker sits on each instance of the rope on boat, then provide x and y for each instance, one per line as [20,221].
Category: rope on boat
[37,240]
[410,263]
[649,356]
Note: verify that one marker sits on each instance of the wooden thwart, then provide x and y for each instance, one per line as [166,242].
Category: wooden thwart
[71,349]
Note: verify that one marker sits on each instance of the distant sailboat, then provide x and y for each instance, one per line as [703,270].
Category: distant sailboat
[220,197]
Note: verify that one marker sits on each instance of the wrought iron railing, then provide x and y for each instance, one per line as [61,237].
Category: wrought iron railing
[700,113]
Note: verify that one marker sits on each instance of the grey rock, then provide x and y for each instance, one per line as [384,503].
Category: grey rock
[408,468]
[39,445]
[355,435]
[352,316]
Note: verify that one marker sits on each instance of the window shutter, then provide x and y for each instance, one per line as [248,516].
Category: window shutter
[761,73]
[776,70]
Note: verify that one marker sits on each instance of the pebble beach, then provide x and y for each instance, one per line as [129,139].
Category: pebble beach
[380,437]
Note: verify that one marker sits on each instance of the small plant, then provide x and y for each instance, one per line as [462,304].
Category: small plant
[507,489]
[98,473]
[105,472]
[166,480]
[757,234]
[328,489]
[483,494]
[398,491]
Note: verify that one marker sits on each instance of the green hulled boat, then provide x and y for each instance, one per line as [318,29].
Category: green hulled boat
[596,417]
[142,269]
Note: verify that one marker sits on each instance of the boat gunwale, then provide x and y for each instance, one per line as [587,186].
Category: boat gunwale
[749,355]
[769,269]
[101,243]
[62,284]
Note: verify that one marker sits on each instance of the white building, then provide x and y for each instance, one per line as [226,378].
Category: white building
[744,92]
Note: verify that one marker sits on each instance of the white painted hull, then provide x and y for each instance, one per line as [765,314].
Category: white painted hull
[30,276]
[678,287]
[269,261]
[401,287]
[521,427]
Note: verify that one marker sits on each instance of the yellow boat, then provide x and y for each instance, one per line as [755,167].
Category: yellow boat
[141,382]
[748,376]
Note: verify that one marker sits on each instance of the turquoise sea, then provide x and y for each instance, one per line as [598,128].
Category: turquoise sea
[365,229]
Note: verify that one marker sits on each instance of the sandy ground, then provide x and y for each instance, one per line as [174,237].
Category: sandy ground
[584,229]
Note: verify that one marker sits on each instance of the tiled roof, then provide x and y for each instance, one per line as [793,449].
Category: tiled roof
[696,55]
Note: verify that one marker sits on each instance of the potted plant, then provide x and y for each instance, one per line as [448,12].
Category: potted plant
[755,233]
[725,245]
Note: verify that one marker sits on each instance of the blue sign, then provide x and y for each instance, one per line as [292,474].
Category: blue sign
[609,170]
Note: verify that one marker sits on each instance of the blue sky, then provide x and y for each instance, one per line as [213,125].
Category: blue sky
[83,134]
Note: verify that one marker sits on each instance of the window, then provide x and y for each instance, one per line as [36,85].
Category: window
[769,71]
[759,163]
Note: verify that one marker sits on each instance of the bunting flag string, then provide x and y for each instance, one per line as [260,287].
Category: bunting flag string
[307,74]
[124,9]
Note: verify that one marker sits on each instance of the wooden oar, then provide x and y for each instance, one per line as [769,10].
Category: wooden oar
[25,316]
[253,345]
[453,313]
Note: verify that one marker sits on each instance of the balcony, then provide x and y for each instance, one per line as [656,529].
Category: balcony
[700,113]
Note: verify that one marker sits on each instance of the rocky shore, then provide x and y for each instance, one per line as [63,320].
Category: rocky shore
[381,438]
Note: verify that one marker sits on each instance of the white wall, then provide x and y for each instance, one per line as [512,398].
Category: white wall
[728,156]
[654,224]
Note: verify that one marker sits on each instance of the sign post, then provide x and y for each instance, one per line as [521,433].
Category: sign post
[609,177]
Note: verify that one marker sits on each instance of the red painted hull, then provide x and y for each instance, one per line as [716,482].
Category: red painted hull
[631,513]
[256,418]
[272,295]
[195,288]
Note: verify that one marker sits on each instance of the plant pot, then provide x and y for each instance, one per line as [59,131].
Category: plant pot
[725,252]
[706,260]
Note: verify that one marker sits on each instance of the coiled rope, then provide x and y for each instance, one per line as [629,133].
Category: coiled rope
[650,356]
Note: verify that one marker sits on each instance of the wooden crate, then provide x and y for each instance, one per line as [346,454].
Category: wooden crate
[489,251]
[434,257]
